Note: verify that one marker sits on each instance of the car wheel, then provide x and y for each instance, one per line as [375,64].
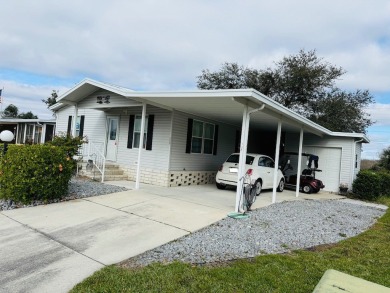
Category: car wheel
[258,186]
[307,189]
[281,185]
[221,186]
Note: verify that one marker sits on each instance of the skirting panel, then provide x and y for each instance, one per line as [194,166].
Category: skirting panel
[172,178]
[185,178]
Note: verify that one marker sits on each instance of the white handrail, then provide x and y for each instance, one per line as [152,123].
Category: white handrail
[97,157]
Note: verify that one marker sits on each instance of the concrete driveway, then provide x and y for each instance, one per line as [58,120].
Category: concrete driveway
[54,247]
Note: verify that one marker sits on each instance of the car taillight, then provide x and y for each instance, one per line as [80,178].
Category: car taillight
[249,172]
[220,168]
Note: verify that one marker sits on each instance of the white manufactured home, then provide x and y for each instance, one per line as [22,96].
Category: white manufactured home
[182,138]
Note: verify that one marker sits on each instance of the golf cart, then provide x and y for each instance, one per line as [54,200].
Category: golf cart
[308,182]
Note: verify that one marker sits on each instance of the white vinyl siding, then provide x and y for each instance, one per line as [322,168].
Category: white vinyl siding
[158,157]
[62,117]
[358,155]
[180,160]
[94,124]
[116,101]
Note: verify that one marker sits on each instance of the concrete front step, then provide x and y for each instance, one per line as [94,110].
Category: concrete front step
[110,178]
[112,172]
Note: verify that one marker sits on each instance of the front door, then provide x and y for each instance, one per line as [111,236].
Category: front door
[112,138]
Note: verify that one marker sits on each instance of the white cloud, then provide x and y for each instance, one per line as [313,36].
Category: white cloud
[166,44]
[380,113]
[28,97]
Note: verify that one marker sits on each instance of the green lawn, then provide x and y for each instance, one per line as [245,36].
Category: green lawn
[366,256]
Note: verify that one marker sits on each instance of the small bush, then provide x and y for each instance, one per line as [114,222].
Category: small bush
[35,172]
[70,144]
[369,184]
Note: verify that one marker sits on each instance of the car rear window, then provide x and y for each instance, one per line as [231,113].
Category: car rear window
[236,158]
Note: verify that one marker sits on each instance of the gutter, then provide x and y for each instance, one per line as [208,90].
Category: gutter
[354,159]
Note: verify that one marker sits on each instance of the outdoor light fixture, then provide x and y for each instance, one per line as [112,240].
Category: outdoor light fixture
[103,99]
[6,136]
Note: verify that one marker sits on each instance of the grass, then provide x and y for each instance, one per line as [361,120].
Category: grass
[366,256]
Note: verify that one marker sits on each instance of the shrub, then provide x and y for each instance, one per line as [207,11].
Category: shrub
[384,160]
[70,144]
[369,184]
[35,172]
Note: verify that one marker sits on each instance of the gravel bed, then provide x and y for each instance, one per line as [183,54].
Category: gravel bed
[79,187]
[278,228]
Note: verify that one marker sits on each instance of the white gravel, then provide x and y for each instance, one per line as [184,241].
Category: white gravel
[278,228]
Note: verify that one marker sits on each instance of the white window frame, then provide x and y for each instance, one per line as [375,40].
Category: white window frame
[203,137]
[145,130]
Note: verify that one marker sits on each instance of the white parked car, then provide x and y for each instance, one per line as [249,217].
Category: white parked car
[262,174]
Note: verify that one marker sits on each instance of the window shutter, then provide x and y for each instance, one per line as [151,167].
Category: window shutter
[215,140]
[69,126]
[81,131]
[130,133]
[189,135]
[149,138]
[237,142]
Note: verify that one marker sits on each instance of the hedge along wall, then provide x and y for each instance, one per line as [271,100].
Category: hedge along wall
[35,172]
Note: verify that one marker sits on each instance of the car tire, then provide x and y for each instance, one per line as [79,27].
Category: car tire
[307,189]
[280,186]
[221,186]
[258,186]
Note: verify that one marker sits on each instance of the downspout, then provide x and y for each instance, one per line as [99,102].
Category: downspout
[75,120]
[243,151]
[354,159]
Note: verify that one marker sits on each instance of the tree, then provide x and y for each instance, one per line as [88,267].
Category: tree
[300,78]
[28,115]
[10,112]
[342,111]
[384,159]
[304,83]
[13,112]
[50,101]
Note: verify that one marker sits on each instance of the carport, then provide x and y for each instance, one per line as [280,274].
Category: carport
[248,108]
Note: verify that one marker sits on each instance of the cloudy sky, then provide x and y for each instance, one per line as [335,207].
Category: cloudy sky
[164,45]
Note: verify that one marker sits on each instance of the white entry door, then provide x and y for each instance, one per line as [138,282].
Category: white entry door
[112,138]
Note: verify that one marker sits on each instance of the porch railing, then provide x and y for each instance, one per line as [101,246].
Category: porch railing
[95,154]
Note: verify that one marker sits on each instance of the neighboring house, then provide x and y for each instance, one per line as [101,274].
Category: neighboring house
[189,134]
[29,131]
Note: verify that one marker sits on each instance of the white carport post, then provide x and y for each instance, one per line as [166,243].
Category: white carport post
[242,160]
[76,110]
[140,147]
[299,163]
[276,169]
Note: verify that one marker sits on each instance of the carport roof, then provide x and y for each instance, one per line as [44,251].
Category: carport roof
[224,106]
[20,120]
